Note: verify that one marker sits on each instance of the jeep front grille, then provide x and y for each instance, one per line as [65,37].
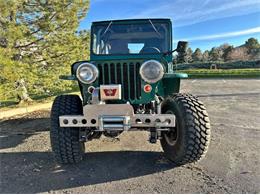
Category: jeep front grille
[126,74]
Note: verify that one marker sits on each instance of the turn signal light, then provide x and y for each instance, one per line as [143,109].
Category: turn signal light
[147,88]
[91,89]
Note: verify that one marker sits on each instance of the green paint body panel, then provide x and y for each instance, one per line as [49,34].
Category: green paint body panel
[125,66]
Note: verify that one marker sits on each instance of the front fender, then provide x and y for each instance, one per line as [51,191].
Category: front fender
[175,75]
[170,83]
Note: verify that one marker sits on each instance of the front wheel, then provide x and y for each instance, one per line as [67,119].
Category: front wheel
[65,141]
[188,141]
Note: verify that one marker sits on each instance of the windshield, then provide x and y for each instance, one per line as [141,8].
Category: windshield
[144,38]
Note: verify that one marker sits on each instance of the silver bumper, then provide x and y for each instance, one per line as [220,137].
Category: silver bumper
[116,117]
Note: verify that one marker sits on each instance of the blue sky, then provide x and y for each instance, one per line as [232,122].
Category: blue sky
[204,23]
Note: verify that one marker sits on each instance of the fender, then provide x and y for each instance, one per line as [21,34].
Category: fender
[170,83]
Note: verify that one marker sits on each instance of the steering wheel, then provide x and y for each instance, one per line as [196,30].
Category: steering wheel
[150,50]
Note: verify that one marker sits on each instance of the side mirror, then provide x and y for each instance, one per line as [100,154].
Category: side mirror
[182,47]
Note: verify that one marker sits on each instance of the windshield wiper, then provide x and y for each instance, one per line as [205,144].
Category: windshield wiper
[155,28]
[107,29]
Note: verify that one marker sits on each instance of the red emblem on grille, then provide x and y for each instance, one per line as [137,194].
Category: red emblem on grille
[110,92]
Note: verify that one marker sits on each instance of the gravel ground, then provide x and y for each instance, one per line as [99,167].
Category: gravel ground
[129,164]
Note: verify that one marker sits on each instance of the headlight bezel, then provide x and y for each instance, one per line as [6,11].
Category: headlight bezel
[155,80]
[90,66]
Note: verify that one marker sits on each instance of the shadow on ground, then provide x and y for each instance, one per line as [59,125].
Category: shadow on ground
[34,172]
[15,130]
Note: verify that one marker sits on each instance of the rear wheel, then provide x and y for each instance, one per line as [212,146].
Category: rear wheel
[188,141]
[65,141]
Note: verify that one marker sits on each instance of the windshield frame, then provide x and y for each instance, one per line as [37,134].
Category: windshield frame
[128,22]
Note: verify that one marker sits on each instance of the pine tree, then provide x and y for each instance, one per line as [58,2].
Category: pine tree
[38,41]
[227,53]
[188,56]
[215,54]
[205,56]
[253,48]
[197,55]
[252,43]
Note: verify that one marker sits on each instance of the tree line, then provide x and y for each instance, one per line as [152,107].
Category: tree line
[224,53]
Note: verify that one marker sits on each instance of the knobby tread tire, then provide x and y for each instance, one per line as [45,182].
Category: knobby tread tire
[194,129]
[65,141]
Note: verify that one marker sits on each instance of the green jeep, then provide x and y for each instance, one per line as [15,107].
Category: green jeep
[129,85]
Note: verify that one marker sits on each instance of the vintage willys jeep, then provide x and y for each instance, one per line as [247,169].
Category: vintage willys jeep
[129,84]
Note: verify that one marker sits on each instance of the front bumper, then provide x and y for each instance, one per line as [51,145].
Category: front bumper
[104,117]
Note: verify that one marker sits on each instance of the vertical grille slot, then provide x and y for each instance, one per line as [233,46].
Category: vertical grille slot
[100,79]
[105,74]
[138,81]
[132,79]
[126,81]
[126,74]
[113,74]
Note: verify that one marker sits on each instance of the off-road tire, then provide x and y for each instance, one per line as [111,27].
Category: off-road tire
[65,141]
[192,126]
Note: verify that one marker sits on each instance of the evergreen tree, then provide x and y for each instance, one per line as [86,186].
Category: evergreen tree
[253,48]
[38,42]
[188,56]
[252,43]
[197,55]
[226,51]
[205,56]
[215,54]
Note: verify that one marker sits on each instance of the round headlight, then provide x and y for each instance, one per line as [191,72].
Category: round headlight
[151,71]
[87,73]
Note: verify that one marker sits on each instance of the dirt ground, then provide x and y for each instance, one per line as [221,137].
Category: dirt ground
[130,164]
